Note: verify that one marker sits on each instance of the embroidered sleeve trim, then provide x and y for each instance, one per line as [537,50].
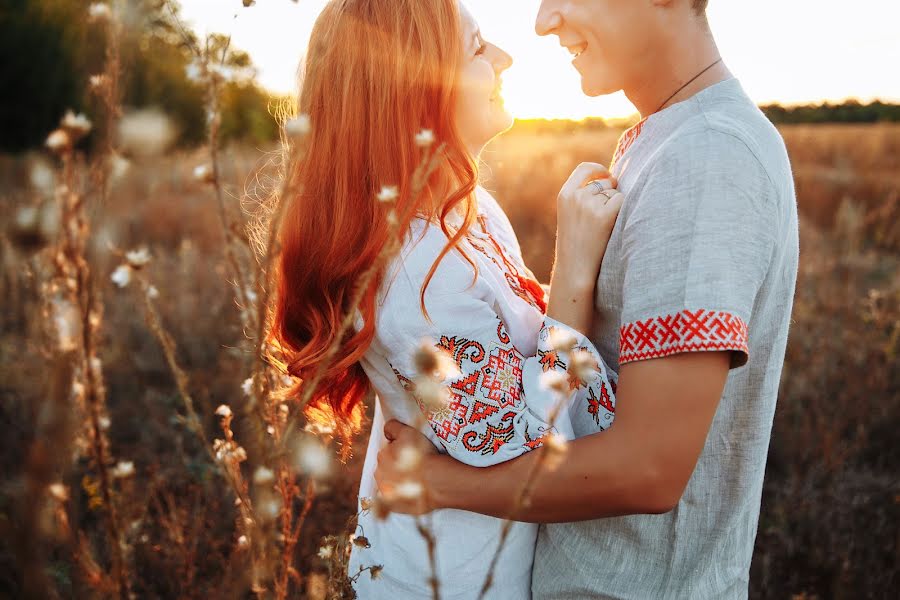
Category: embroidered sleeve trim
[685,331]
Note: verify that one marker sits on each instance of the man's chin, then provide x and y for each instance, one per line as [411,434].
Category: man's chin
[594,88]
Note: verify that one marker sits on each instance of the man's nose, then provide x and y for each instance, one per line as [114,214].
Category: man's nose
[548,18]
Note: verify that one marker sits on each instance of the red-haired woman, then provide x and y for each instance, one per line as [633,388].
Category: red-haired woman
[377,73]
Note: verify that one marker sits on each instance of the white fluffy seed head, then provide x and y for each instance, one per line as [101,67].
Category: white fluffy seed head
[204,174]
[58,141]
[123,469]
[263,476]
[409,490]
[388,193]
[146,132]
[555,381]
[121,276]
[298,127]
[562,340]
[78,125]
[408,458]
[99,11]
[138,258]
[313,459]
[432,393]
[425,138]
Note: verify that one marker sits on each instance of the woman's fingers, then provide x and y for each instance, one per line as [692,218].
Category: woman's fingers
[582,174]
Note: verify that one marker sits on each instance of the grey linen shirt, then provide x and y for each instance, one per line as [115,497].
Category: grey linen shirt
[703,257]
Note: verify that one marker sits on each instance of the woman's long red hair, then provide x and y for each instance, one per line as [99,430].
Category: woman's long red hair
[377,72]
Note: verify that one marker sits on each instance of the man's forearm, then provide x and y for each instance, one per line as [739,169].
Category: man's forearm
[601,475]
[640,465]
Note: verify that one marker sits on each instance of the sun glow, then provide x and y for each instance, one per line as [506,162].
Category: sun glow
[788,52]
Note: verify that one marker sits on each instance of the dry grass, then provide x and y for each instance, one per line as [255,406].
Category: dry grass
[829,514]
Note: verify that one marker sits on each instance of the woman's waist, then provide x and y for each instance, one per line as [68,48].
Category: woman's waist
[464,545]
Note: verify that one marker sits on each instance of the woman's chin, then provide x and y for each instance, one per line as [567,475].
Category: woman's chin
[504,120]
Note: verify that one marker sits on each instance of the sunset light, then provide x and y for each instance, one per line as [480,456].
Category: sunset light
[789,52]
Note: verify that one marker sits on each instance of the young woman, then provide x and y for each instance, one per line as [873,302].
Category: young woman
[377,73]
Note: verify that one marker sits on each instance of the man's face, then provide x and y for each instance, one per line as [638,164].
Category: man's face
[611,38]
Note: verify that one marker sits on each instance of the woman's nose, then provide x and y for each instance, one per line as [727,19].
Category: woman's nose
[503,61]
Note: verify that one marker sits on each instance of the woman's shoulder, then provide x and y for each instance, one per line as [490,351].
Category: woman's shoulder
[499,220]
[421,247]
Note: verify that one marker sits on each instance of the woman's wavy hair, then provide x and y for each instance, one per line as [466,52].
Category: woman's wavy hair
[376,73]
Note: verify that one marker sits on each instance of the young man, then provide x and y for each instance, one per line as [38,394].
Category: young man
[692,303]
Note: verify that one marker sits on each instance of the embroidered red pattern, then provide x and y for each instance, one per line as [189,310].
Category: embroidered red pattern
[484,400]
[627,140]
[523,286]
[686,331]
[502,377]
[595,403]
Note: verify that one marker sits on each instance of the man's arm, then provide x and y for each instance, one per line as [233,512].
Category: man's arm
[642,464]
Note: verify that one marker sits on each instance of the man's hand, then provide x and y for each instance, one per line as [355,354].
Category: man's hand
[401,469]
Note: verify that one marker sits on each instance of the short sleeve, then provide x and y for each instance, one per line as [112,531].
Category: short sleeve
[697,241]
[500,403]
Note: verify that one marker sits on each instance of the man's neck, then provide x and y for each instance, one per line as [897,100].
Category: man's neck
[681,59]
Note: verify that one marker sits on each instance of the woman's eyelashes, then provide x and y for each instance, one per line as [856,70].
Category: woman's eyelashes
[480,44]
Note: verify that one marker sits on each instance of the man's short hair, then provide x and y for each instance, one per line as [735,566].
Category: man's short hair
[700,6]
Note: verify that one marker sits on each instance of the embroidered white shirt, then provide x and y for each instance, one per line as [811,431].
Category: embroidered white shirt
[500,406]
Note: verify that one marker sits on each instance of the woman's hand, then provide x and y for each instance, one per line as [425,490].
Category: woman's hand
[585,220]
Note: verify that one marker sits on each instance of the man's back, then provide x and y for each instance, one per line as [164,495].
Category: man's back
[703,257]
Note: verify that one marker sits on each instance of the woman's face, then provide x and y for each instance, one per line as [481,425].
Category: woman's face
[479,112]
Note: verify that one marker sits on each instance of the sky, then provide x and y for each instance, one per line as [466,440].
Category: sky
[787,51]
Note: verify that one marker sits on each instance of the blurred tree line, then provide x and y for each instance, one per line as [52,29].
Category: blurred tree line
[50,48]
[851,111]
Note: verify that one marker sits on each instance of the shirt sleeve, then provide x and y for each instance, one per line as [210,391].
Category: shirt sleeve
[499,402]
[697,241]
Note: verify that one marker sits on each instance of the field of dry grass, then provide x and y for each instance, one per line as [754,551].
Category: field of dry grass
[828,526]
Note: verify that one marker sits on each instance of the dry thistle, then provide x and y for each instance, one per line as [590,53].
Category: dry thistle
[388,193]
[562,340]
[99,11]
[121,276]
[432,393]
[555,381]
[77,126]
[312,458]
[138,258]
[425,138]
[204,174]
[556,447]
[146,132]
[58,141]
[123,469]
[409,458]
[263,476]
[298,127]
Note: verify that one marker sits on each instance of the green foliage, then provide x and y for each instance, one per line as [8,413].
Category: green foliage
[850,111]
[41,45]
[50,50]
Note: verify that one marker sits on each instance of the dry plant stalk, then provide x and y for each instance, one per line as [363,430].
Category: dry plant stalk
[73,284]
[544,460]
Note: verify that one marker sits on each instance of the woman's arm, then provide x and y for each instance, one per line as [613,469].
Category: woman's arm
[585,221]
[625,470]
[488,402]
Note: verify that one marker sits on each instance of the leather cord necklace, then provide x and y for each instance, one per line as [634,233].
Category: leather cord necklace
[692,80]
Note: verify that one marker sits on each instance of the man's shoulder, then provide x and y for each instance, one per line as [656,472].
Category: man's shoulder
[728,130]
